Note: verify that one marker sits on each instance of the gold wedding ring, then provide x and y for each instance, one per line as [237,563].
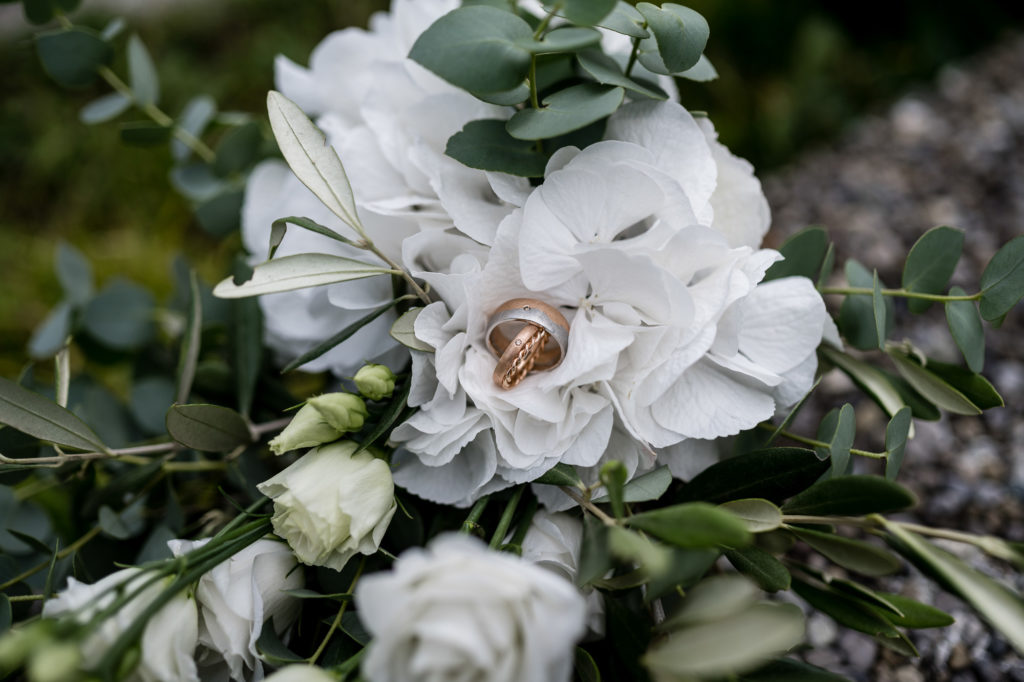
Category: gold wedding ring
[525,335]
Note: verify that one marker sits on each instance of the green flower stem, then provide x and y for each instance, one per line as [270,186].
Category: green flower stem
[472,521]
[341,612]
[632,56]
[534,98]
[543,26]
[819,444]
[864,291]
[506,518]
[589,506]
[516,545]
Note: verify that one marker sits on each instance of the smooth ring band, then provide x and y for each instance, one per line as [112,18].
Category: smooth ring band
[520,334]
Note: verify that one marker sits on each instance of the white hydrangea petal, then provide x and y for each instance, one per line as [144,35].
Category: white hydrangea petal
[782,323]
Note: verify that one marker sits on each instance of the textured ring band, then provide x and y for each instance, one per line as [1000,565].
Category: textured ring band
[520,333]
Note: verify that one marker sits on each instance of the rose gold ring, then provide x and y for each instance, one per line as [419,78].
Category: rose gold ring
[526,335]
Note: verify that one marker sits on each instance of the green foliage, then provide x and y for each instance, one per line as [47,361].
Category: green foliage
[774,474]
[693,525]
[1002,282]
[931,263]
[804,255]
[769,573]
[678,38]
[965,325]
[71,57]
[487,145]
[853,555]
[861,321]
[897,431]
[759,515]
[607,71]
[403,332]
[565,111]
[211,428]
[851,496]
[46,420]
[583,12]
[837,430]
[144,80]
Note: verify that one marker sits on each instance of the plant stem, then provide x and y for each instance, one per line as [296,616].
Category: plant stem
[588,505]
[864,291]
[534,98]
[819,444]
[471,523]
[869,522]
[67,551]
[506,518]
[337,618]
[543,26]
[632,56]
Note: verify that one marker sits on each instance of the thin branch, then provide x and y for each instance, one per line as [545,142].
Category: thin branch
[903,293]
[588,505]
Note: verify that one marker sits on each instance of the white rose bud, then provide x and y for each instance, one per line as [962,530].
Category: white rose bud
[343,411]
[168,641]
[301,673]
[375,382]
[329,504]
[458,610]
[238,596]
[307,429]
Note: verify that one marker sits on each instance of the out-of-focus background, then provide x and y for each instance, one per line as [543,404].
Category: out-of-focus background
[876,119]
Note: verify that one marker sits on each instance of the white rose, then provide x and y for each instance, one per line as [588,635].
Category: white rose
[301,673]
[168,641]
[330,505]
[238,596]
[457,610]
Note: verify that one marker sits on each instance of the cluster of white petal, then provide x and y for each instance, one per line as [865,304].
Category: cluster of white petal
[389,120]
[647,242]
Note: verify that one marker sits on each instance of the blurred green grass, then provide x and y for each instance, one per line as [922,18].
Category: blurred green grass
[793,73]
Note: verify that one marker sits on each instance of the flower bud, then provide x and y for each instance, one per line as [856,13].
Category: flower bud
[300,673]
[16,644]
[307,429]
[375,382]
[343,411]
[331,504]
[55,663]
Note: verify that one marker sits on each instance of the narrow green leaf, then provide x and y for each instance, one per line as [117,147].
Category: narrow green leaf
[974,387]
[486,145]
[679,37]
[694,524]
[560,474]
[686,568]
[476,48]
[29,541]
[338,338]
[304,593]
[300,271]
[273,649]
[651,558]
[857,313]
[388,418]
[1002,608]
[210,428]
[931,386]
[142,73]
[584,667]
[965,326]
[44,419]
[595,559]
[872,381]
[858,591]
[839,430]
[845,610]
[759,515]
[1002,282]
[71,56]
[915,614]
[104,108]
[248,344]
[713,599]
[312,160]
[729,646]
[188,356]
[804,254]
[403,331]
[760,566]
[787,670]
[828,266]
[930,264]
[774,474]
[607,71]
[854,555]
[896,433]
[851,496]
[565,111]
[613,478]
[878,306]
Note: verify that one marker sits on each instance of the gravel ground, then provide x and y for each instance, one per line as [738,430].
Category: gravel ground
[949,154]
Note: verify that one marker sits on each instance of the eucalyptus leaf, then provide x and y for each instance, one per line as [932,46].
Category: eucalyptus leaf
[403,331]
[679,37]
[142,73]
[871,380]
[607,71]
[219,215]
[1002,282]
[477,48]
[188,355]
[930,264]
[74,273]
[485,144]
[838,430]
[44,419]
[300,271]
[238,149]
[857,320]
[694,524]
[728,646]
[112,525]
[854,555]
[583,12]
[196,181]
[879,309]
[72,56]
[565,111]
[564,39]
[644,488]
[774,474]
[803,255]
[965,325]
[312,160]
[701,72]
[896,433]
[769,573]
[52,333]
[851,496]
[103,109]
[626,20]
[974,387]
[209,428]
[560,474]
[121,316]
[931,386]
[759,515]
[194,119]
[151,397]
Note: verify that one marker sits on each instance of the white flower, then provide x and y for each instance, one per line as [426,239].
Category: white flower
[553,542]
[301,673]
[673,338]
[459,611]
[168,641]
[238,596]
[329,504]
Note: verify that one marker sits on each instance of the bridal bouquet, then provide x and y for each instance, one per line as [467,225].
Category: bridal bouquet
[550,378]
